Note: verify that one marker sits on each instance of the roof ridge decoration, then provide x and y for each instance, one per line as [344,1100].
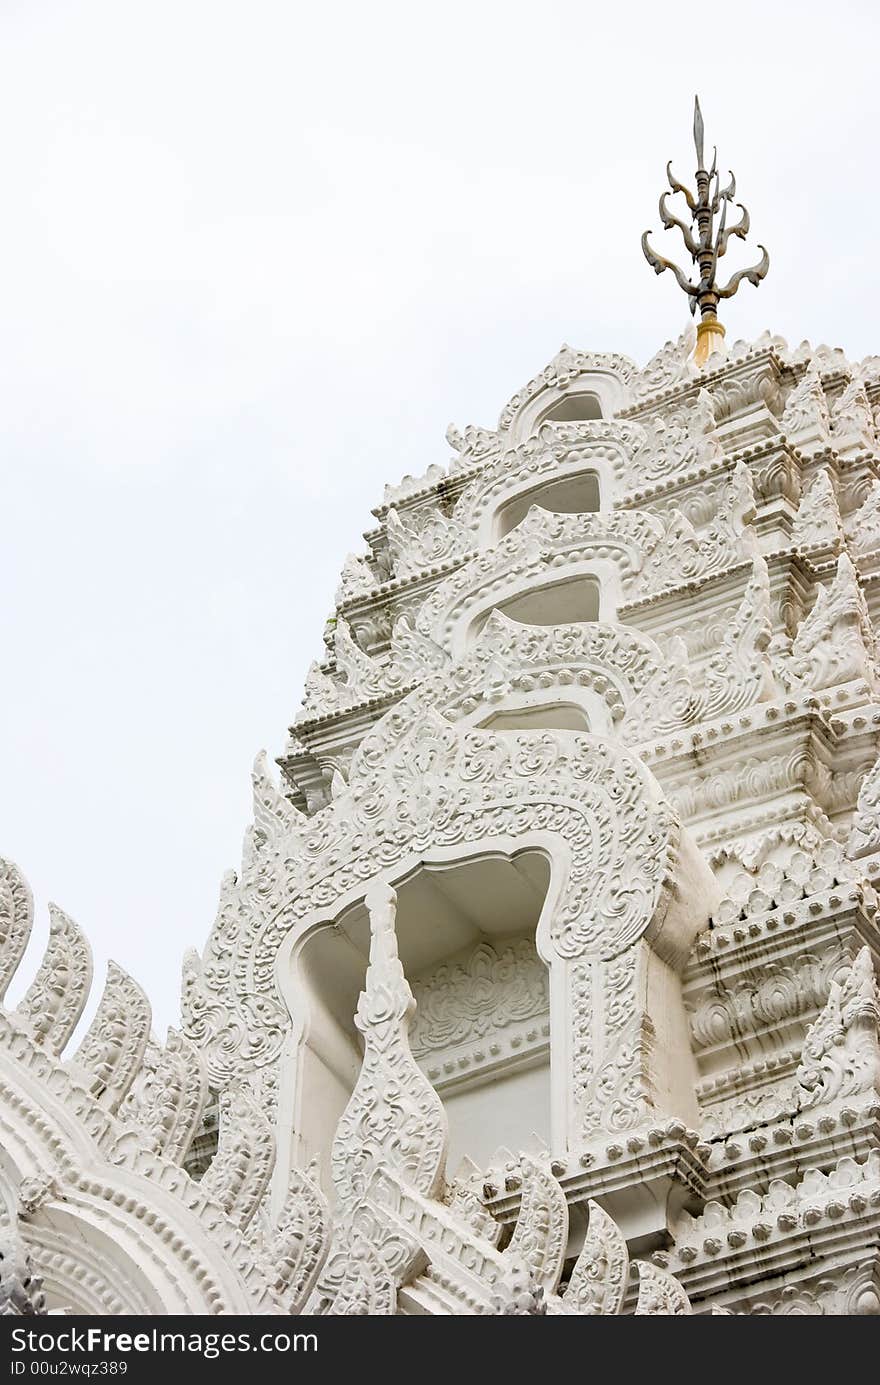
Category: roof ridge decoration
[98,1140]
[704,244]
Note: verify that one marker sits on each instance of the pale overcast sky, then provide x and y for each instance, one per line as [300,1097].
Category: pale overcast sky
[256,256]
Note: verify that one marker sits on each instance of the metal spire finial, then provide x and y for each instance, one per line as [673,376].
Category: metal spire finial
[704,246]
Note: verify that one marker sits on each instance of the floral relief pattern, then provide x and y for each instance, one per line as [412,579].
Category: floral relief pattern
[494,988]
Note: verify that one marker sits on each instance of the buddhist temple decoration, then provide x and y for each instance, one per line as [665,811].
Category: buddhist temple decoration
[705,244]
[546,983]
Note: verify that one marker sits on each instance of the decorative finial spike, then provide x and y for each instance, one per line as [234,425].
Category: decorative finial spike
[705,243]
[698,133]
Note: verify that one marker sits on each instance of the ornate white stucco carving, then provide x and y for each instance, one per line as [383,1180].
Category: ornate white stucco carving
[480,1003]
[678,441]
[853,419]
[807,419]
[556,452]
[835,642]
[168,1098]
[418,548]
[840,1058]
[355,580]
[587,872]
[598,1281]
[567,368]
[57,995]
[864,535]
[818,523]
[683,556]
[864,836]
[113,1047]
[106,1218]
[672,365]
[394,1120]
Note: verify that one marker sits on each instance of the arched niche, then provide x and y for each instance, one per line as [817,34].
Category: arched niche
[576,406]
[592,677]
[628,892]
[573,599]
[539,715]
[559,467]
[590,394]
[466,934]
[553,569]
[577,494]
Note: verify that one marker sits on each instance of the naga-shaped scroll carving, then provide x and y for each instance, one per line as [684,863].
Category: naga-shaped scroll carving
[394,1119]
[598,1281]
[114,1045]
[541,1231]
[16,921]
[240,1170]
[55,998]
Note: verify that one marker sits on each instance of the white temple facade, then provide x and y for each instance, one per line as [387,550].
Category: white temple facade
[547,980]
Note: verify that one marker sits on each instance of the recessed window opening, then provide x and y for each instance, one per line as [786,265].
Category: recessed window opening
[546,716]
[466,938]
[569,495]
[572,408]
[571,601]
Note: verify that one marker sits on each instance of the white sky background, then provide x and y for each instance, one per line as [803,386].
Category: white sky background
[255,257]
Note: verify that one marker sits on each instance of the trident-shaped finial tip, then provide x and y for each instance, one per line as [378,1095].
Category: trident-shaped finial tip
[698,133]
[706,240]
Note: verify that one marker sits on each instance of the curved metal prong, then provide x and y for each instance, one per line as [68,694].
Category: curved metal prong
[709,278]
[754,275]
[676,186]
[741,229]
[723,194]
[670,220]
[658,263]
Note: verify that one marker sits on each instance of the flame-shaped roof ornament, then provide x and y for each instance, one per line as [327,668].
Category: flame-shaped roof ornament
[704,245]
